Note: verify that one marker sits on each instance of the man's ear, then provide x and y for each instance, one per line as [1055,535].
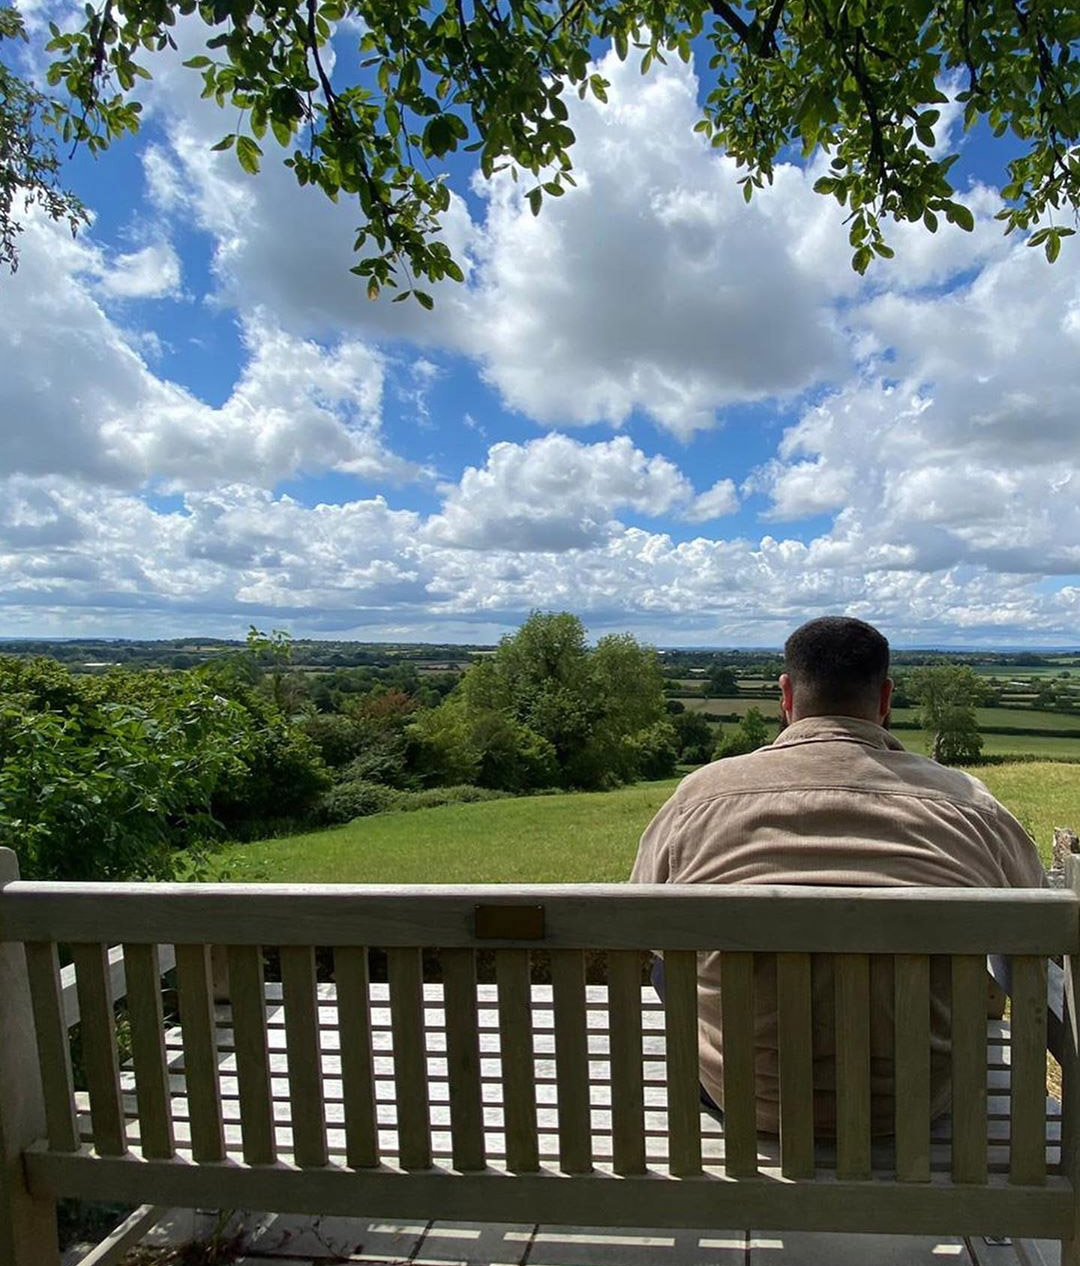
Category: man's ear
[787,697]
[886,699]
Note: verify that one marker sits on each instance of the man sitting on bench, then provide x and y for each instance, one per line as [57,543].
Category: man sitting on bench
[834,800]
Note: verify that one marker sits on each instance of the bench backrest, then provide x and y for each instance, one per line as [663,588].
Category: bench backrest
[344,925]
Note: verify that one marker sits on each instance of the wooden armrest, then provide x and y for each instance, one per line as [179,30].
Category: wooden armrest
[1000,969]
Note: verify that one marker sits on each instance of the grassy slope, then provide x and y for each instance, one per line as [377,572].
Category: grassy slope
[583,838]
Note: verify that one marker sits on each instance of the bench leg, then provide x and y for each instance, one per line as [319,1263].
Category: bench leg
[1070,1252]
[27,1225]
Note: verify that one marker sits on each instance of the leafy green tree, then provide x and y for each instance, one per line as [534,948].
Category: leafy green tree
[655,751]
[29,167]
[545,710]
[947,695]
[696,737]
[722,682]
[457,743]
[270,656]
[751,733]
[863,82]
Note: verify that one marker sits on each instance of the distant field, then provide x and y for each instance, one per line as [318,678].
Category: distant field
[1018,674]
[1046,747]
[769,708]
[1018,718]
[1064,723]
[581,838]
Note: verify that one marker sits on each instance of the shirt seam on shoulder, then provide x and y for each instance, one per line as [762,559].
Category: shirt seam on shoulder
[939,797]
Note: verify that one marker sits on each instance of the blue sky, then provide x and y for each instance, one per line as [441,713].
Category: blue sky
[654,406]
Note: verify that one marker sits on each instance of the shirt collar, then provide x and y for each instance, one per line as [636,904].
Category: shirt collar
[843,729]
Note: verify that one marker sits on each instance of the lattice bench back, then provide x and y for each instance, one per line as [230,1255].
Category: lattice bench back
[567,1103]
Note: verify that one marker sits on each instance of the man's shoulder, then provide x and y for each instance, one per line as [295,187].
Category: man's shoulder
[731,773]
[877,770]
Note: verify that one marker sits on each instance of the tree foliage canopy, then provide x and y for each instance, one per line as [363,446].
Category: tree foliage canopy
[29,167]
[546,710]
[865,82]
[947,695]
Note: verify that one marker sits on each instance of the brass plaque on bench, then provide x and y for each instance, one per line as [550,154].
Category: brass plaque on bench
[509,923]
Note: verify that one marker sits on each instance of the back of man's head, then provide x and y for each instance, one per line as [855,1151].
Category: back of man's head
[837,667]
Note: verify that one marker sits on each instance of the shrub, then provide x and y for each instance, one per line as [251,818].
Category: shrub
[432,797]
[109,777]
[356,799]
[751,733]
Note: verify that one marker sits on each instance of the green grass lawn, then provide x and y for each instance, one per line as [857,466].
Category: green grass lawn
[579,838]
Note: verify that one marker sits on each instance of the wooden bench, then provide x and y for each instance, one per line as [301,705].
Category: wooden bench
[569,1103]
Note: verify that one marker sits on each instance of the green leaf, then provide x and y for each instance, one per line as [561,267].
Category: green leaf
[962,217]
[424,300]
[535,198]
[226,142]
[248,154]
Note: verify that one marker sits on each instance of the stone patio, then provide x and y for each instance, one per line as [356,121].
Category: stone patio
[277,1240]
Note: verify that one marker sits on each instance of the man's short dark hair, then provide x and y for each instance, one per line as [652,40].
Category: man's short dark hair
[837,664]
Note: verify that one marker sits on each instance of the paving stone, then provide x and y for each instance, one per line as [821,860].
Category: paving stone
[321,1239]
[1038,1252]
[817,1248]
[603,1246]
[473,1244]
[1002,1252]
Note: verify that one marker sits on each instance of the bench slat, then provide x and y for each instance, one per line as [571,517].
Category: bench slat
[795,1045]
[252,1058]
[351,974]
[1028,1014]
[194,982]
[571,1060]
[852,976]
[737,1019]
[410,1066]
[302,1047]
[627,1069]
[516,1058]
[54,1048]
[969,1068]
[912,1054]
[681,1056]
[463,1059]
[100,1061]
[142,967]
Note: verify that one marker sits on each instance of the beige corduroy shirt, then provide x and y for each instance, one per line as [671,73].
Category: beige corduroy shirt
[835,800]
